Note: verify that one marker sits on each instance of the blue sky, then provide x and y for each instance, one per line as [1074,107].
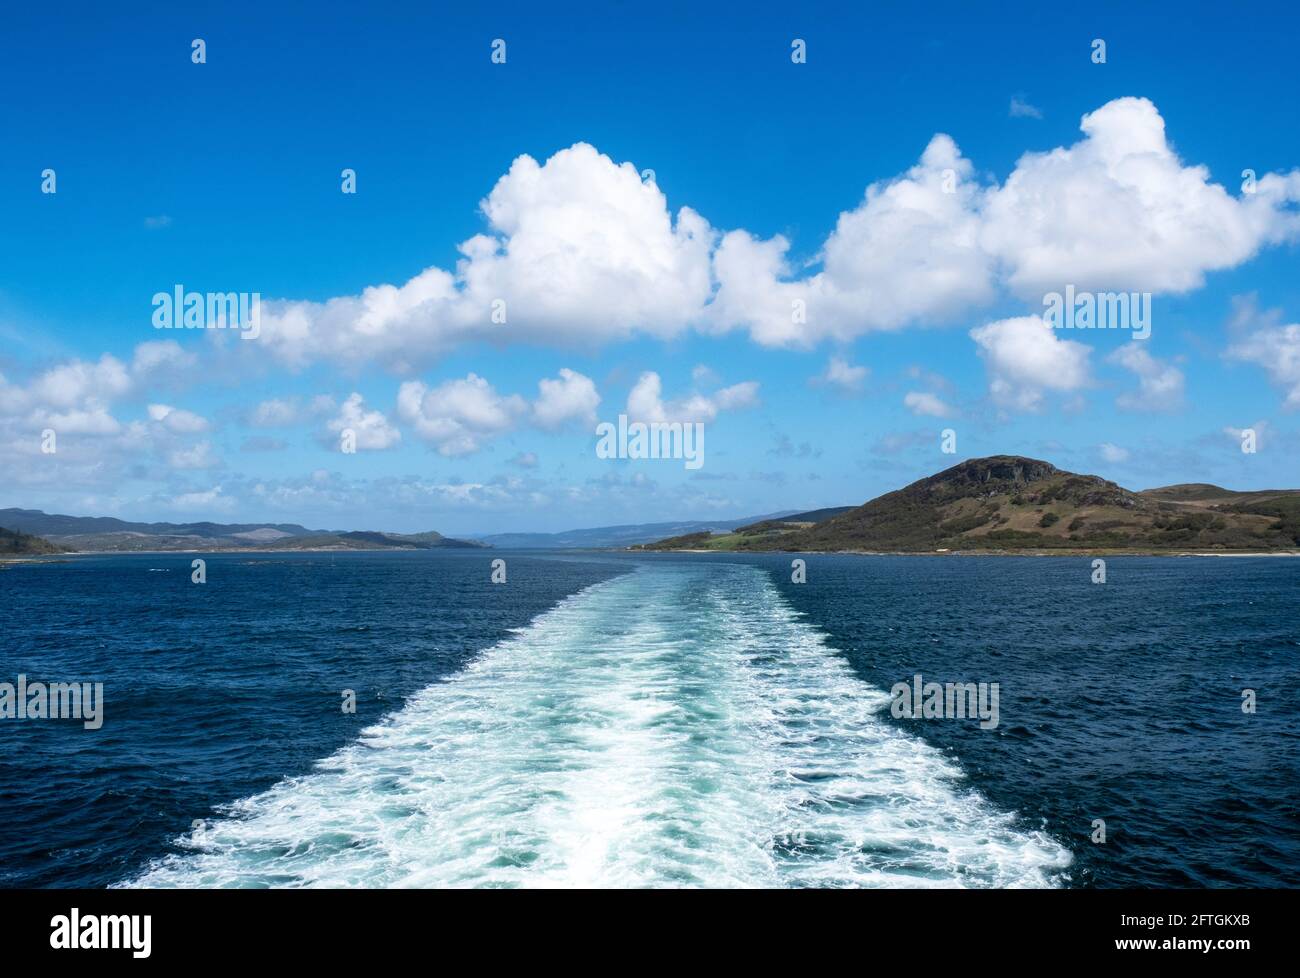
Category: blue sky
[225,176]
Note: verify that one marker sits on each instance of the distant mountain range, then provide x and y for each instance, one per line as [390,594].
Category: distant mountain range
[1011,503]
[1004,503]
[108,534]
[604,537]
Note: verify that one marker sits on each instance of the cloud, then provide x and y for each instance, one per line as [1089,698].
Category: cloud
[1160,385]
[177,420]
[1112,453]
[583,244]
[278,412]
[157,357]
[285,412]
[842,374]
[1118,210]
[1025,357]
[1263,340]
[645,401]
[1259,430]
[95,450]
[736,397]
[571,397]
[579,250]
[925,404]
[372,429]
[158,221]
[204,501]
[909,252]
[525,460]
[933,380]
[78,382]
[704,375]
[199,456]
[77,396]
[459,416]
[1021,109]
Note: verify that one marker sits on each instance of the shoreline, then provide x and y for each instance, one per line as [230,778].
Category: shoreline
[45,558]
[990,553]
[63,557]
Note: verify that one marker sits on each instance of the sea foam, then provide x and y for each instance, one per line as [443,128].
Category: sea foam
[676,726]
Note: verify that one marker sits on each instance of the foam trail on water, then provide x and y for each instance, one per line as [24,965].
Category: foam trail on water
[676,726]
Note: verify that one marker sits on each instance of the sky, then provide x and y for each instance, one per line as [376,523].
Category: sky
[826,233]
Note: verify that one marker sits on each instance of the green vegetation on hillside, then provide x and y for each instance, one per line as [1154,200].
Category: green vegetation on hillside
[12,543]
[687,541]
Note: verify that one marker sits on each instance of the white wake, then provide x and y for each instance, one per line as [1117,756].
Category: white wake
[676,726]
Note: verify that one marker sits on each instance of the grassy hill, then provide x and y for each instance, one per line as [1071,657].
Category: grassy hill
[1012,503]
[745,537]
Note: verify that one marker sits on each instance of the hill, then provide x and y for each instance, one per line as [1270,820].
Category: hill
[746,534]
[53,524]
[1011,503]
[106,534]
[626,535]
[13,543]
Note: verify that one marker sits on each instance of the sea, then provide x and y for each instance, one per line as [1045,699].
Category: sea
[428,719]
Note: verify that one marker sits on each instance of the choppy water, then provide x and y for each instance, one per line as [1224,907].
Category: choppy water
[652,721]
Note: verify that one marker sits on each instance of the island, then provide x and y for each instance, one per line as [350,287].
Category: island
[1013,504]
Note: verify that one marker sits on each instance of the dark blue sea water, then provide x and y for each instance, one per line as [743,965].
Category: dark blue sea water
[613,719]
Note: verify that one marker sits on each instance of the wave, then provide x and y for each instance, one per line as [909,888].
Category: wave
[675,726]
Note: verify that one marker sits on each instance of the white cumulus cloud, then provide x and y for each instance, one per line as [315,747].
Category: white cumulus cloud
[1118,210]
[1262,339]
[570,397]
[645,401]
[372,429]
[176,420]
[1025,357]
[1160,384]
[459,416]
[842,374]
[578,250]
[925,404]
[909,252]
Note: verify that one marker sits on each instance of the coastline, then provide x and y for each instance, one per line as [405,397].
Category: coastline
[48,558]
[62,557]
[989,553]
